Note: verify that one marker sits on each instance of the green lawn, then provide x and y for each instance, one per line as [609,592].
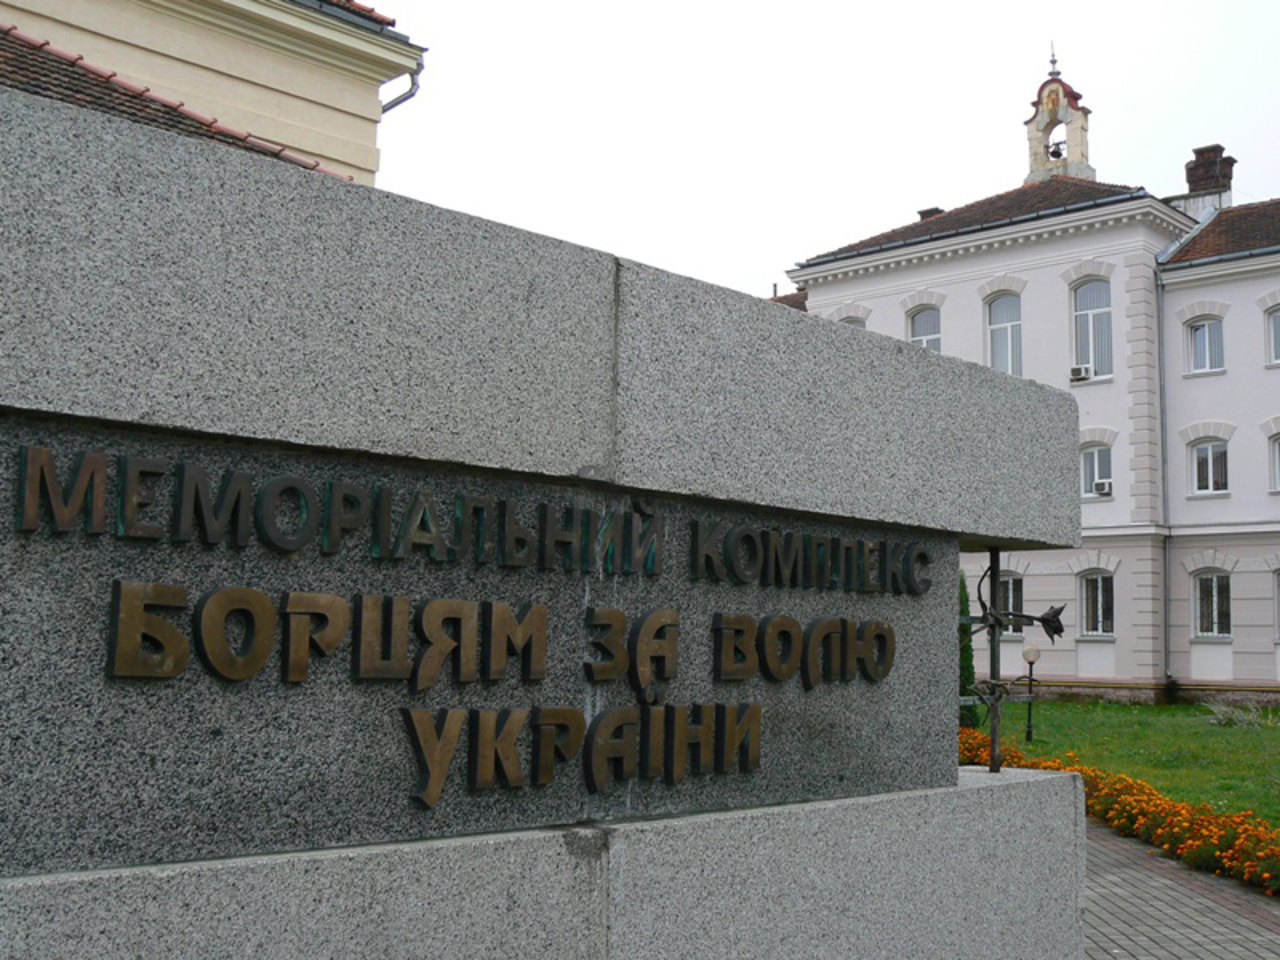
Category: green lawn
[1176,749]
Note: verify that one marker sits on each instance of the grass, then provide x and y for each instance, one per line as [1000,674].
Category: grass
[1179,750]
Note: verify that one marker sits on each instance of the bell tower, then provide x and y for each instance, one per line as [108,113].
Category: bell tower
[1058,132]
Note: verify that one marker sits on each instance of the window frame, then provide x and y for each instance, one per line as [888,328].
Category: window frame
[1010,598]
[1012,330]
[1207,322]
[1093,318]
[1086,486]
[925,341]
[1272,320]
[1220,595]
[1211,488]
[1093,616]
[1273,457]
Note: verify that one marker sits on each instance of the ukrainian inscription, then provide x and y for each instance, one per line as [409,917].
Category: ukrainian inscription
[154,627]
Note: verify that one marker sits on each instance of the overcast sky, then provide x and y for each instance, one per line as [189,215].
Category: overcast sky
[726,141]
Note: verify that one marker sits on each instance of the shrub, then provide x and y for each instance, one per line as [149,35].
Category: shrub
[1238,845]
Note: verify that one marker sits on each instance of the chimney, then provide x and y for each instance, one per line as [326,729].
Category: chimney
[1210,171]
[931,212]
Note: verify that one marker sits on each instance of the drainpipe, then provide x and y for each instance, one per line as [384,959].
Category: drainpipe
[408,94]
[1164,472]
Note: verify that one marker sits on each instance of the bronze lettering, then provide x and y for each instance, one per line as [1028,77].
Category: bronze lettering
[348,509]
[558,734]
[382,638]
[647,539]
[135,495]
[653,741]
[475,532]
[781,647]
[421,527]
[524,634]
[212,613]
[302,632]
[435,741]
[267,514]
[612,643]
[142,644]
[735,646]
[464,647]
[611,543]
[563,536]
[611,748]
[38,484]
[782,560]
[382,546]
[738,737]
[691,739]
[817,567]
[915,558]
[744,554]
[874,649]
[517,544]
[822,652]
[655,652]
[196,505]
[708,552]
[491,746]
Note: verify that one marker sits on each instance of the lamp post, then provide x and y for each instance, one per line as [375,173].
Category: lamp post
[1030,653]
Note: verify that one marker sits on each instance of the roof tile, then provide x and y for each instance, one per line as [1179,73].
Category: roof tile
[1031,200]
[1233,231]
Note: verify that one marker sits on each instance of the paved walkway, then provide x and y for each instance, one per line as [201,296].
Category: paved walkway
[1142,906]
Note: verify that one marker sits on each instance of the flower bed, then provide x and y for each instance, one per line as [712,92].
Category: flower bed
[1239,845]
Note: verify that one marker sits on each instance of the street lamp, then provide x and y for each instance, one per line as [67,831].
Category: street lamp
[1030,653]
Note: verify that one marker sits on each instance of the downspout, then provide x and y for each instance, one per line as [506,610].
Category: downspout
[408,94]
[1164,473]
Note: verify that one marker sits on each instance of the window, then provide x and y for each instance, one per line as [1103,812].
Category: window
[1213,604]
[1009,599]
[1095,468]
[1004,318]
[1275,463]
[926,329]
[1097,604]
[1204,345]
[1273,336]
[1209,466]
[1093,327]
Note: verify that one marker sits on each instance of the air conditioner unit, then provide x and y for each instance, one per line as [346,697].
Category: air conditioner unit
[1081,373]
[1102,488]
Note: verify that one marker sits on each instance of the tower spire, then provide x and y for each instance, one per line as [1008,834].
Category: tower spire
[1053,63]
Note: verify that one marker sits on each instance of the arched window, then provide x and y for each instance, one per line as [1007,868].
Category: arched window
[1213,603]
[1004,323]
[926,329]
[1204,345]
[1095,471]
[1209,466]
[1092,310]
[1273,336]
[1097,603]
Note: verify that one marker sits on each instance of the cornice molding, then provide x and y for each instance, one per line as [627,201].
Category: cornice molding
[306,34]
[1143,211]
[1223,270]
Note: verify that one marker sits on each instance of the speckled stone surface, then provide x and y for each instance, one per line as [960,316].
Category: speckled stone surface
[994,868]
[107,771]
[158,280]
[991,868]
[740,399]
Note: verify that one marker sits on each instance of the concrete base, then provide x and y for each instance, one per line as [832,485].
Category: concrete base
[991,868]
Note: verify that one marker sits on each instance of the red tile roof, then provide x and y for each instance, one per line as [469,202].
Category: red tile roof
[1057,195]
[360,10]
[33,66]
[797,300]
[1233,232]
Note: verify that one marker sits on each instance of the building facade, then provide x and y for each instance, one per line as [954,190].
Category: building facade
[1162,318]
[304,74]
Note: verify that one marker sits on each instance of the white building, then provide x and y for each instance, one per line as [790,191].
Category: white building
[1162,317]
